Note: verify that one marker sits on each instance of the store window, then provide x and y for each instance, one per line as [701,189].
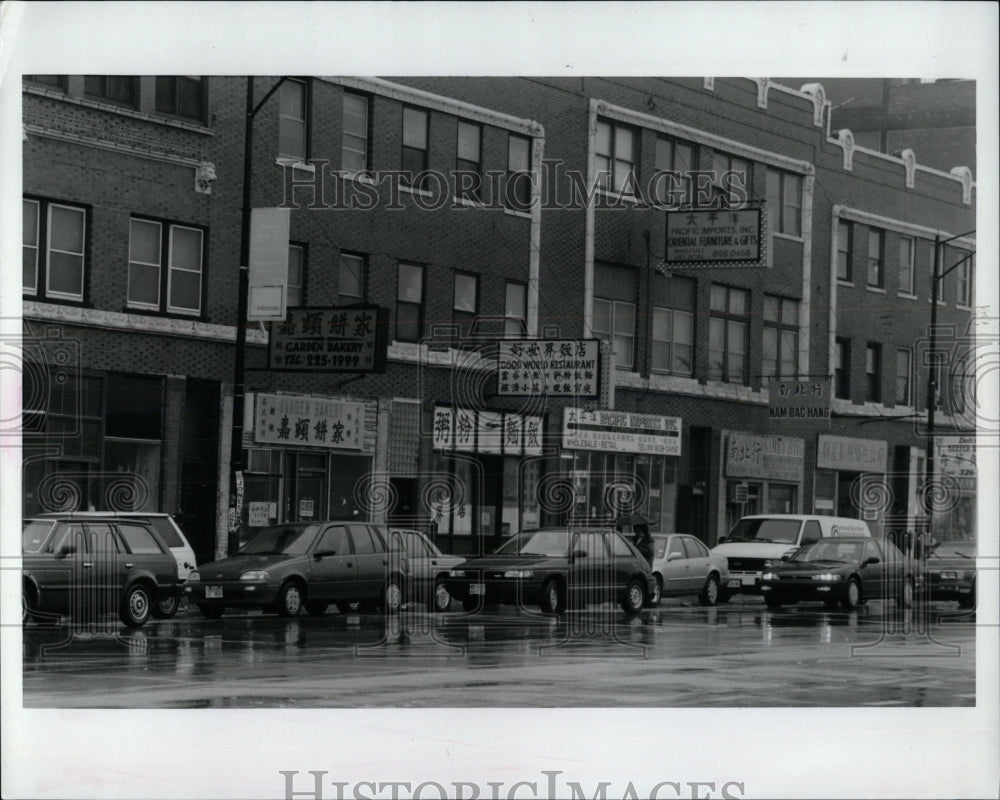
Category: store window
[165,267]
[292,124]
[354,139]
[615,294]
[729,330]
[673,325]
[781,337]
[53,250]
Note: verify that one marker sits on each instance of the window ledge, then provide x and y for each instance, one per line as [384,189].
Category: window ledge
[907,296]
[464,201]
[405,188]
[294,163]
[615,197]
[355,177]
[513,212]
[791,237]
[845,283]
[875,289]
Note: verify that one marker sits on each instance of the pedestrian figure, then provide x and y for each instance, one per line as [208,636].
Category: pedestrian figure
[643,540]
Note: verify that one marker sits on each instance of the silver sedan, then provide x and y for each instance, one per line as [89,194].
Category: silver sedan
[682,565]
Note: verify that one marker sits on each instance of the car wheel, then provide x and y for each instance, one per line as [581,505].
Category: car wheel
[905,599]
[710,594]
[290,600]
[392,596]
[166,608]
[968,600]
[771,601]
[635,597]
[657,591]
[551,600]
[852,597]
[316,608]
[441,600]
[136,606]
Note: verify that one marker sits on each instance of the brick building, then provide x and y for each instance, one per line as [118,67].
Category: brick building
[540,215]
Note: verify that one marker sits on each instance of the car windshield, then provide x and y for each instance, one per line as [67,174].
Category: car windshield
[785,531]
[282,539]
[832,550]
[951,549]
[33,535]
[539,543]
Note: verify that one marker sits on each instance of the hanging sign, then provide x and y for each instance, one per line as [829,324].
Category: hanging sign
[716,238]
[555,367]
[330,340]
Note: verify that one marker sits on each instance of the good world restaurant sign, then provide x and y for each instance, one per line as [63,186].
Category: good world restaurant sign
[562,367]
[330,340]
[621,432]
[716,238]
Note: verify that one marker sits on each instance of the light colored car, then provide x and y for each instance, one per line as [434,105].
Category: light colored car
[428,568]
[682,565]
[168,529]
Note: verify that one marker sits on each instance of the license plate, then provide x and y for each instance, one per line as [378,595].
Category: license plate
[213,592]
[734,584]
[749,580]
[477,588]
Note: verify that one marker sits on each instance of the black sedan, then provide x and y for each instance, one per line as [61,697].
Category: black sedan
[848,570]
[951,572]
[556,567]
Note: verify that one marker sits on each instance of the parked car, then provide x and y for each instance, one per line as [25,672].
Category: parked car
[553,567]
[79,567]
[847,570]
[169,531]
[285,568]
[951,572]
[682,565]
[428,568]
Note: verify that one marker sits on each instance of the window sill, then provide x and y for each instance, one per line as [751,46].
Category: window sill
[294,163]
[513,212]
[907,296]
[615,197]
[362,178]
[791,237]
[939,302]
[405,188]
[466,203]
[875,289]
[155,312]
[845,283]
[56,301]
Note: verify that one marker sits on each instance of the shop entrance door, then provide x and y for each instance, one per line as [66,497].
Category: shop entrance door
[307,490]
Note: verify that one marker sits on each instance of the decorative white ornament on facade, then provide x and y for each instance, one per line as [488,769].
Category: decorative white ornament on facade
[710,84]
[964,174]
[846,139]
[762,84]
[818,94]
[204,177]
[910,162]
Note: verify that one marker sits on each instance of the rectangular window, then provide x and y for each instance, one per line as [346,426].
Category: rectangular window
[906,265]
[731,179]
[468,177]
[354,143]
[876,256]
[181,96]
[963,282]
[729,331]
[781,337]
[53,270]
[351,279]
[178,290]
[615,293]
[518,186]
[409,303]
[55,81]
[296,275]
[873,373]
[120,89]
[845,252]
[842,369]
[414,160]
[676,158]
[673,325]
[516,311]
[292,120]
[784,202]
[465,306]
[903,359]
[614,157]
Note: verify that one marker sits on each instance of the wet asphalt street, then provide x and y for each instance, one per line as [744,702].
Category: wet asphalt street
[679,655]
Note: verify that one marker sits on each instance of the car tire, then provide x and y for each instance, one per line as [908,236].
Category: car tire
[166,608]
[634,598]
[968,600]
[905,598]
[552,600]
[136,606]
[440,597]
[852,595]
[211,611]
[772,602]
[316,608]
[290,599]
[657,591]
[711,593]
[392,596]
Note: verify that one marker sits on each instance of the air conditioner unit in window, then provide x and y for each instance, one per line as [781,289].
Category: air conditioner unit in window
[738,492]
[258,460]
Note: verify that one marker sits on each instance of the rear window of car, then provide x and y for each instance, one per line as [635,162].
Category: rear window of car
[139,540]
[165,528]
[33,535]
[694,548]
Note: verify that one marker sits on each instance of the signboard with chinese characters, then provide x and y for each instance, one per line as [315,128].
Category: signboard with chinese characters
[795,401]
[311,421]
[559,367]
[771,458]
[716,238]
[496,432]
[621,432]
[330,340]
[955,457]
[851,455]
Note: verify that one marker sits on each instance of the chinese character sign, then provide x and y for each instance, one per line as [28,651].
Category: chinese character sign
[558,367]
[330,340]
[310,421]
[794,400]
[497,432]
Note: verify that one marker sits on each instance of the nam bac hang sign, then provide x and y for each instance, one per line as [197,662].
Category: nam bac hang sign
[716,238]
[330,340]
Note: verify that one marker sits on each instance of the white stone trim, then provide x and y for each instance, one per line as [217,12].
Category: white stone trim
[846,141]
[817,94]
[713,390]
[964,176]
[709,84]
[909,159]
[762,86]
[116,147]
[898,226]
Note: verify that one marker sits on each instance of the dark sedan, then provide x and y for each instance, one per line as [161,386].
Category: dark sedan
[848,570]
[552,568]
[951,572]
[285,568]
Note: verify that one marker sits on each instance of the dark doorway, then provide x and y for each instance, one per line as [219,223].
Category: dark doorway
[199,466]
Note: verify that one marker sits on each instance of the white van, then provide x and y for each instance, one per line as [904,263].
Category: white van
[760,538]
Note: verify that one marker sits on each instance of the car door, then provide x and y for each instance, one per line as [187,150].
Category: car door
[587,582]
[372,560]
[873,576]
[676,570]
[143,553]
[334,568]
[58,573]
[697,563]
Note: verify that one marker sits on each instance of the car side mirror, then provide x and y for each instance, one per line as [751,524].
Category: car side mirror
[786,557]
[66,550]
[870,560]
[722,539]
[809,540]
[577,554]
[674,557]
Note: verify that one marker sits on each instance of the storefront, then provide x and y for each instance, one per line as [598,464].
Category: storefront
[851,478]
[762,475]
[954,512]
[619,463]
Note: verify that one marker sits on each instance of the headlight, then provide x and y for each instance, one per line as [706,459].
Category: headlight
[457,573]
[255,576]
[193,576]
[519,573]
[826,576]
[769,576]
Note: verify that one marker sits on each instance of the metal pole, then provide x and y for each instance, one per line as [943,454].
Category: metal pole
[932,380]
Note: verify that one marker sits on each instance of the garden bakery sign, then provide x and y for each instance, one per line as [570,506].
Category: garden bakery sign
[621,432]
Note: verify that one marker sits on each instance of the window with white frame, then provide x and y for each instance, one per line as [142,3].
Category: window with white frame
[729,334]
[414,157]
[468,175]
[52,253]
[296,275]
[732,178]
[614,156]
[518,187]
[845,251]
[906,252]
[175,289]
[674,161]
[673,325]
[781,337]
[876,258]
[515,311]
[354,140]
[904,359]
[292,107]
[615,294]
[784,202]
[963,279]
[409,302]
[351,279]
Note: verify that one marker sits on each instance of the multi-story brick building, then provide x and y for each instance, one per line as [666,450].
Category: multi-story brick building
[540,214]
